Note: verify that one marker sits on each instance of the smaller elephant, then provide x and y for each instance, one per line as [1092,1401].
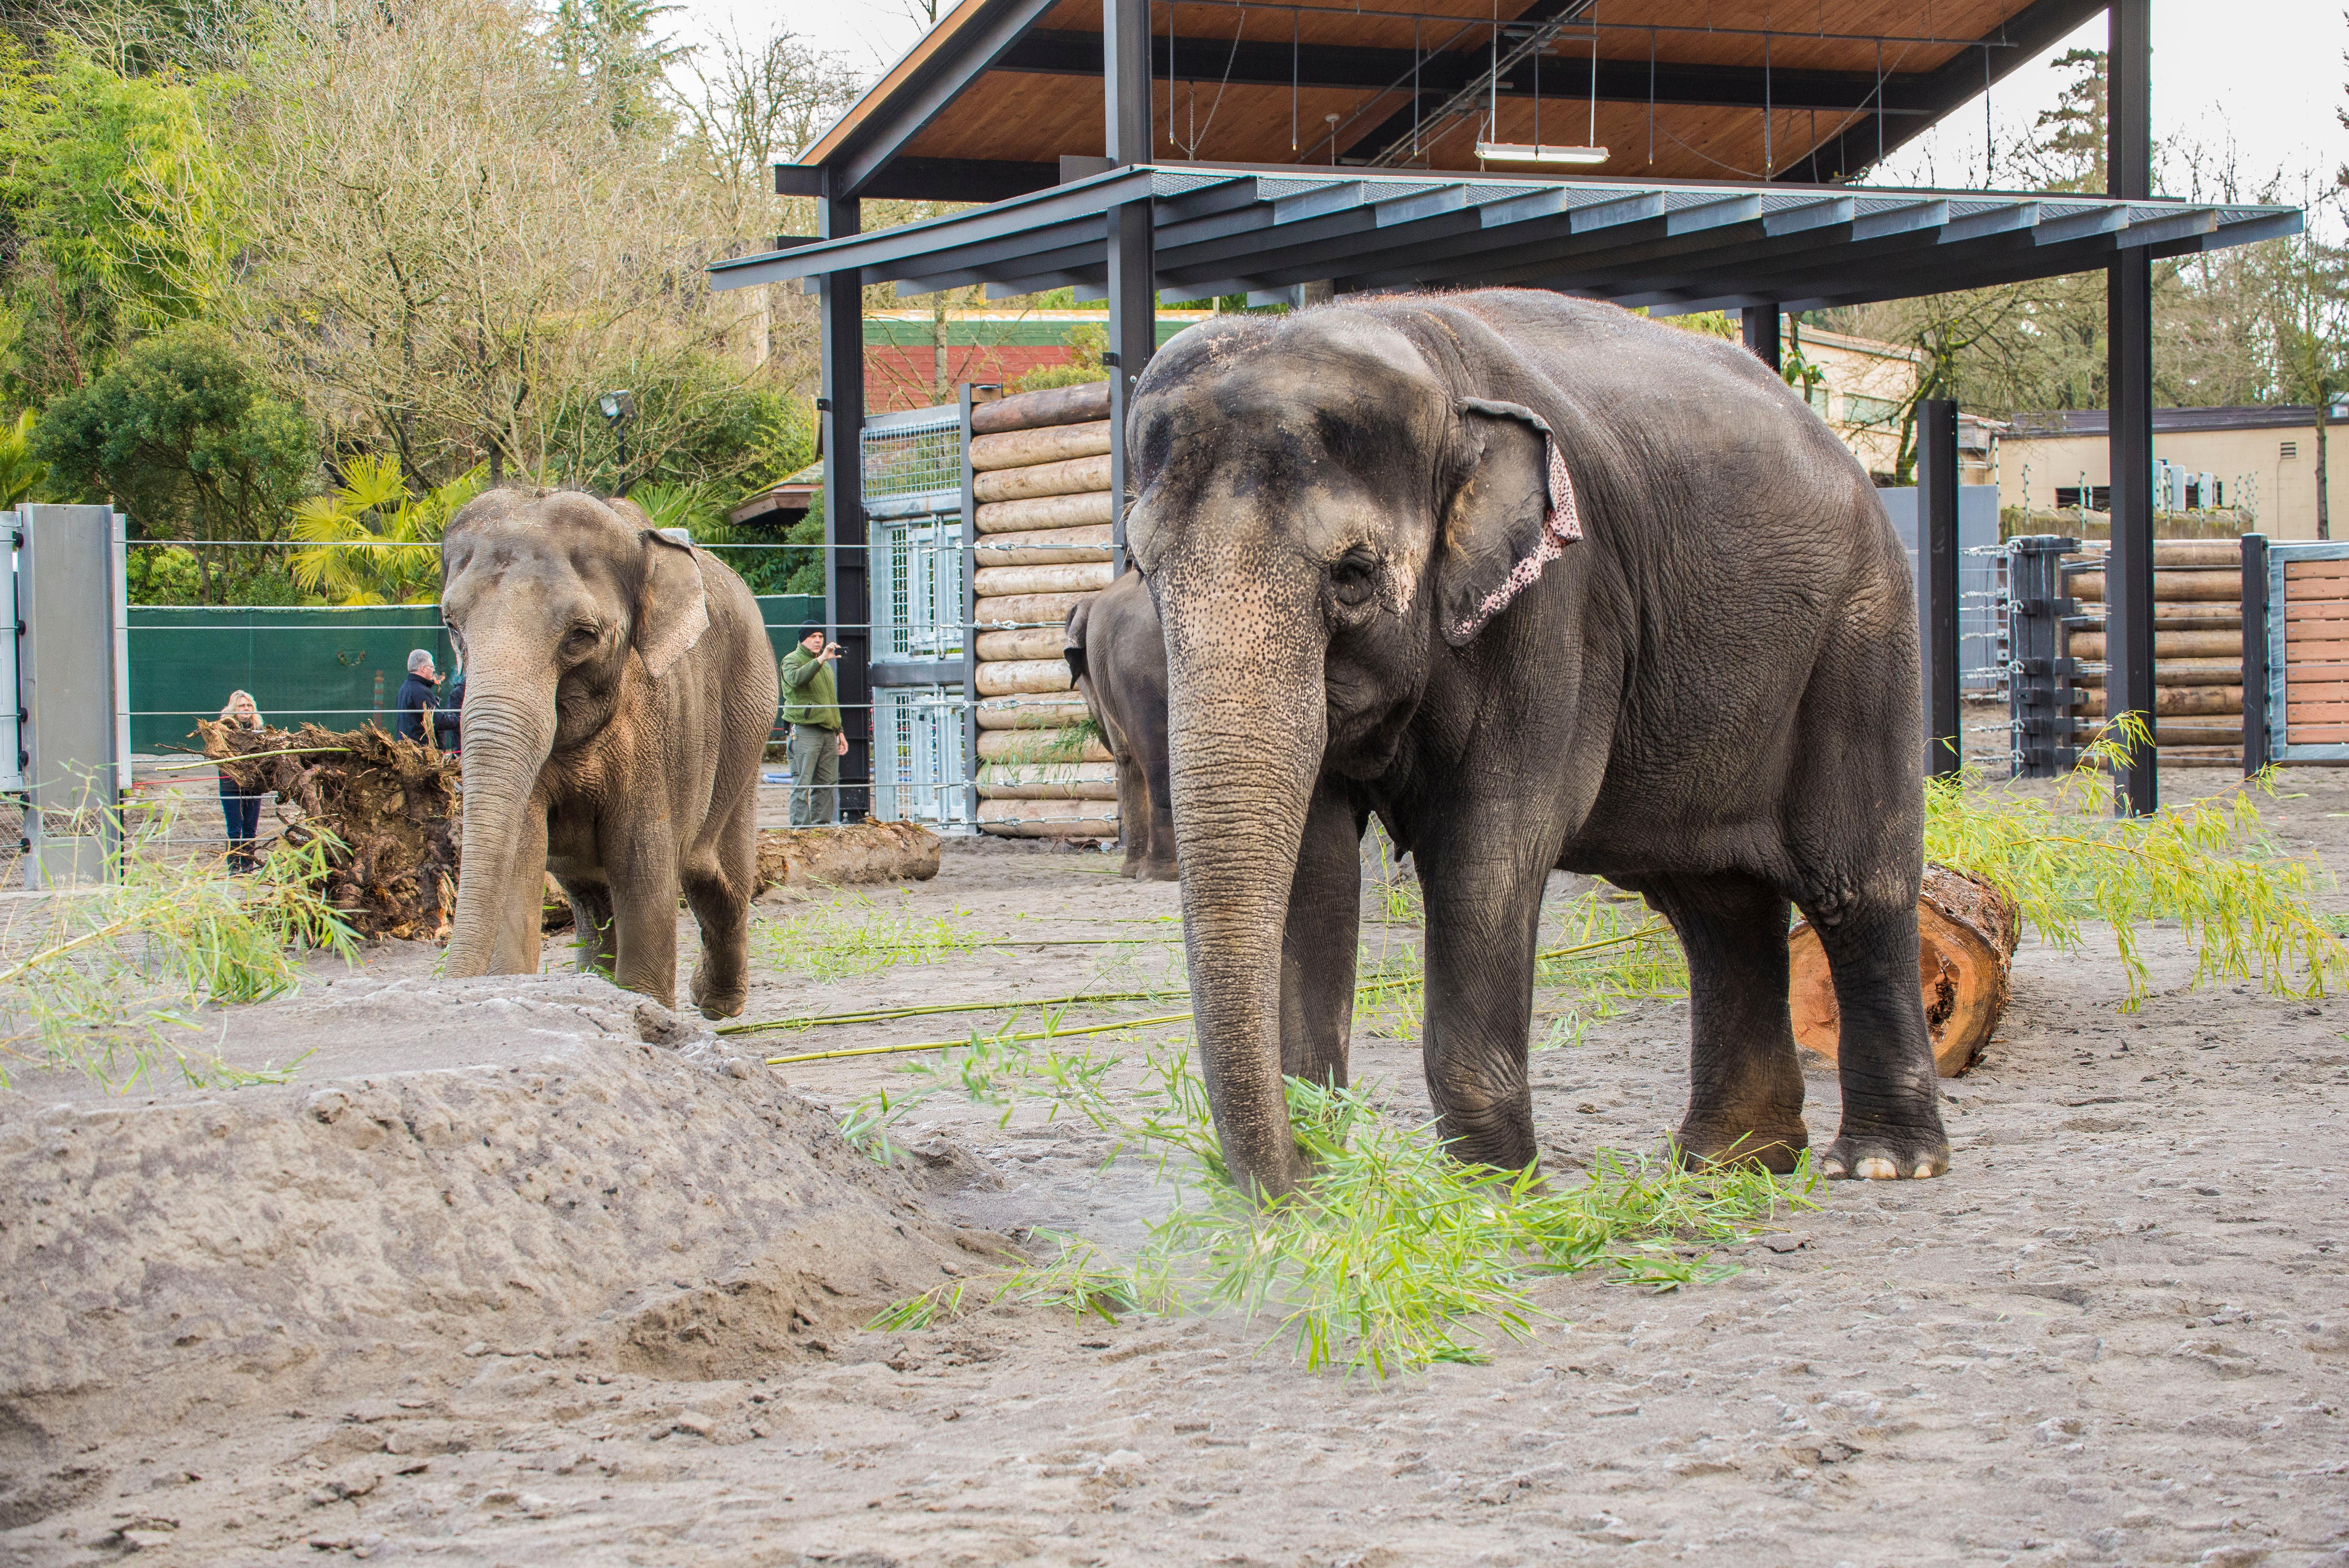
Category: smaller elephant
[1118,655]
[619,691]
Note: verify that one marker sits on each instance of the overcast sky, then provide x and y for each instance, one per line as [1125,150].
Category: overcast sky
[2263,76]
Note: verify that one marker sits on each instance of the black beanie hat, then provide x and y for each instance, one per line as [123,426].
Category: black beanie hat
[807,632]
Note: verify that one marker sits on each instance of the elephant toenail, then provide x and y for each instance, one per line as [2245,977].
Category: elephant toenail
[1832,1170]
[1875,1168]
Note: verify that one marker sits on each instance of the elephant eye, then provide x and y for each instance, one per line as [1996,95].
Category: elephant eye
[579,640]
[1354,576]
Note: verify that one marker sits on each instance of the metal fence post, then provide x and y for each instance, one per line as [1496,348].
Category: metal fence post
[970,614]
[2255,653]
[2040,692]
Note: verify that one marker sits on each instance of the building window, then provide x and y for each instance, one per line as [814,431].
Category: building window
[2290,449]
[1818,397]
[2099,497]
[1859,409]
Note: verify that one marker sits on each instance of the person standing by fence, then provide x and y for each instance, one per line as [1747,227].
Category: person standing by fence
[240,807]
[415,720]
[812,707]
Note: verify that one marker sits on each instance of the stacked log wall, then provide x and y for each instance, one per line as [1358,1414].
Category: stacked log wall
[2198,646]
[1042,515]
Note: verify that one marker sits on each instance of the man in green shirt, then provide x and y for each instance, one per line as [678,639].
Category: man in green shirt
[812,707]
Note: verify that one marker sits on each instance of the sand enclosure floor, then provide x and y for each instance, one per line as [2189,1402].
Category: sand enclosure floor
[2117,1331]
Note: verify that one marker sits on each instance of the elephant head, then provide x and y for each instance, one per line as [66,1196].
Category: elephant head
[558,602]
[1325,502]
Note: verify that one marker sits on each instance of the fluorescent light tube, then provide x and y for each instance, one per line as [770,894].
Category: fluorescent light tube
[1519,152]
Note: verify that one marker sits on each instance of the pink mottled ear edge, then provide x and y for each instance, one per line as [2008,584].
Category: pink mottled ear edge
[1561,522]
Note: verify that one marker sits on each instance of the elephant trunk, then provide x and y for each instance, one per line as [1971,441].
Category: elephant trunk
[509,730]
[1246,729]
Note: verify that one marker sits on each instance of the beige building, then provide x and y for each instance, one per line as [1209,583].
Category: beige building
[2260,462]
[1863,388]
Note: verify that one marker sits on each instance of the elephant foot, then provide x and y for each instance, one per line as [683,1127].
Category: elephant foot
[1157,871]
[717,1004]
[1773,1142]
[1886,1154]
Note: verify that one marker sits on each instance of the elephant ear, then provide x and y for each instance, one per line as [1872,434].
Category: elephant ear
[1513,514]
[672,612]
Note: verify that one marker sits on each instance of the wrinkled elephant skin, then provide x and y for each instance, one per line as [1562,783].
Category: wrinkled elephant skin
[619,692]
[1118,655]
[1541,584]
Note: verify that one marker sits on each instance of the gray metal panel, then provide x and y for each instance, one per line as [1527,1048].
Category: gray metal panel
[1977,575]
[69,586]
[11,770]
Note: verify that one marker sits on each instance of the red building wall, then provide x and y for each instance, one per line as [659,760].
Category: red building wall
[907,378]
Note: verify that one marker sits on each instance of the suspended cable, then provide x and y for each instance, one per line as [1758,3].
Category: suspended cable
[1292,78]
[1651,98]
[1414,87]
[1990,144]
[1769,163]
[1879,100]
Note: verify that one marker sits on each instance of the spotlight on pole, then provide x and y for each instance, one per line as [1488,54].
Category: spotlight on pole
[619,407]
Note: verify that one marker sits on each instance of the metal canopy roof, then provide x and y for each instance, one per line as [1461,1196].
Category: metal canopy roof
[1671,246]
[986,103]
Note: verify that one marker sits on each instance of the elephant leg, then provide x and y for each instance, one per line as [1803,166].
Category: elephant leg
[593,937]
[644,917]
[719,893]
[1745,1085]
[1884,1057]
[519,915]
[1133,814]
[1316,947]
[1482,921]
[1158,801]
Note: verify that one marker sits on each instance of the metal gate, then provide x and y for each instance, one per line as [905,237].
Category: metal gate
[913,465]
[2308,651]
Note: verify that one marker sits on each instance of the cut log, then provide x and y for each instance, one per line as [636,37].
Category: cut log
[1036,643]
[1032,710]
[1048,781]
[1006,582]
[1966,932]
[1044,746]
[834,857]
[1044,444]
[2173,586]
[2181,673]
[1085,510]
[2170,645]
[1004,677]
[2179,702]
[2182,553]
[1013,611]
[1071,477]
[1045,546]
[1054,406]
[390,803]
[1048,818]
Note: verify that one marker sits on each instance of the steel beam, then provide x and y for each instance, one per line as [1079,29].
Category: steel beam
[1936,582]
[1761,331]
[2129,298]
[847,584]
[1124,66]
[1132,339]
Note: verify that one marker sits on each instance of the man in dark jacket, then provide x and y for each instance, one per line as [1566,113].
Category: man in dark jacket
[414,719]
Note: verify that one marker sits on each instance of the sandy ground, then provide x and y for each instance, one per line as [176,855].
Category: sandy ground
[2117,1331]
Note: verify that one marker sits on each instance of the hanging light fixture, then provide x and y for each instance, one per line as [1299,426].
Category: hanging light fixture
[1535,151]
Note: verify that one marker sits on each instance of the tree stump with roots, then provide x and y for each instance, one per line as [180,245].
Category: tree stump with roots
[1966,934]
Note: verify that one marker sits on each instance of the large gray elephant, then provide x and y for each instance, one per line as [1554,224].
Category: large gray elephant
[1117,652]
[619,692]
[1542,584]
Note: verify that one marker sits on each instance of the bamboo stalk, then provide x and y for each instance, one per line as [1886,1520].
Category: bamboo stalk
[949,1045]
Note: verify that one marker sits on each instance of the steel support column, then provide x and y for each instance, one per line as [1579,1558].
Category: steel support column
[1133,338]
[1936,582]
[2128,295]
[1762,335]
[847,575]
[1126,80]
[2255,653]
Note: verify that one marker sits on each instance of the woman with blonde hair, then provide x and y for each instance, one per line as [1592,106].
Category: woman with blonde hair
[241,808]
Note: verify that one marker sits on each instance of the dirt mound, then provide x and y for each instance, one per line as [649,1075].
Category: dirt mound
[613,1187]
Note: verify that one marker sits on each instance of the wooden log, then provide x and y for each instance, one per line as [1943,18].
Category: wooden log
[1046,511]
[2181,552]
[1013,611]
[2168,644]
[1043,444]
[1004,677]
[1075,477]
[1036,710]
[1045,546]
[2175,587]
[1966,932]
[2183,673]
[2197,732]
[1048,818]
[1048,781]
[1003,581]
[2179,702]
[2206,614]
[1036,643]
[1038,746]
[861,852]
[1080,404]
